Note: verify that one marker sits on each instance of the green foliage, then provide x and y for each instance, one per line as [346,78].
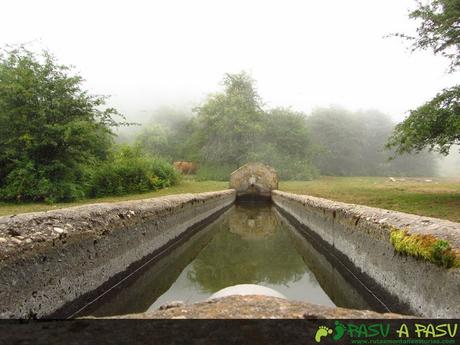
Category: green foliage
[231,129]
[439,28]
[56,139]
[128,171]
[436,125]
[441,254]
[154,139]
[286,145]
[426,247]
[228,124]
[51,130]
[168,135]
[49,183]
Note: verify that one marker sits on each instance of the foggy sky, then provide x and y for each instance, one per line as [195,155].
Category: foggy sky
[303,53]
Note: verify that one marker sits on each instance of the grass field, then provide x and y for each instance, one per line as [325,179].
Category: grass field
[435,198]
[438,198]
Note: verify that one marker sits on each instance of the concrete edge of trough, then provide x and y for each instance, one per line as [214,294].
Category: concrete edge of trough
[256,307]
[366,236]
[48,259]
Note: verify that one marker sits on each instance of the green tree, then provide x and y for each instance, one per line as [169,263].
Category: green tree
[435,124]
[229,123]
[232,128]
[285,144]
[51,130]
[154,139]
[439,29]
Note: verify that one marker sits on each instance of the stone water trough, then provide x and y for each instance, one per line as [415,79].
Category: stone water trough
[52,263]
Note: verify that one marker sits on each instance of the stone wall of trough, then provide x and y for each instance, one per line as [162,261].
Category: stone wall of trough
[48,259]
[362,235]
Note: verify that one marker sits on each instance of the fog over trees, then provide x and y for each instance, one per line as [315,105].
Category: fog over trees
[234,126]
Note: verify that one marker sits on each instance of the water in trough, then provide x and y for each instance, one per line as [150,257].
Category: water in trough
[246,245]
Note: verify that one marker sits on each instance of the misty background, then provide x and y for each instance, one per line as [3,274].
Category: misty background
[328,61]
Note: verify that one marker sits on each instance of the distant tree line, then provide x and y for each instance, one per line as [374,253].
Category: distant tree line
[232,127]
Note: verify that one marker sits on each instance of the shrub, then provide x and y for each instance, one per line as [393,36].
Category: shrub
[50,183]
[164,172]
[51,129]
[128,171]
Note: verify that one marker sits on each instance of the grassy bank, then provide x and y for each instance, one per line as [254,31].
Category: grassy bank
[186,186]
[435,198]
[438,198]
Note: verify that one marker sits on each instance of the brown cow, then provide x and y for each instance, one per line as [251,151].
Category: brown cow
[186,168]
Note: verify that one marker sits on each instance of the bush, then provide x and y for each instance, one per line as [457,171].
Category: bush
[51,183]
[51,129]
[128,171]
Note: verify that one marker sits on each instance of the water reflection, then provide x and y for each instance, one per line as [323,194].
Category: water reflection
[252,223]
[250,249]
[246,245]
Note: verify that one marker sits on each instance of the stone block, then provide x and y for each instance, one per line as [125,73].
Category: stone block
[254,179]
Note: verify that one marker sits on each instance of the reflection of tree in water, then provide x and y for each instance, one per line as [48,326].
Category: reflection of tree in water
[254,223]
[231,259]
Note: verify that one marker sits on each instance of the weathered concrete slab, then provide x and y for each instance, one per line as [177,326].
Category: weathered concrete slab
[256,307]
[307,319]
[362,235]
[254,179]
[50,258]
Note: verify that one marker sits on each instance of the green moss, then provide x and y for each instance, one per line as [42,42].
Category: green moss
[443,254]
[426,247]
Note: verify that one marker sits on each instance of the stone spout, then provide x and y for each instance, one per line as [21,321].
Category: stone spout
[254,181]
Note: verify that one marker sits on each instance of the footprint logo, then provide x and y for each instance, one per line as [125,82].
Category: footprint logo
[322,331]
[339,331]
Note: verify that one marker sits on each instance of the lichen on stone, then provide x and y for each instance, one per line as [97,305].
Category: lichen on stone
[426,247]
